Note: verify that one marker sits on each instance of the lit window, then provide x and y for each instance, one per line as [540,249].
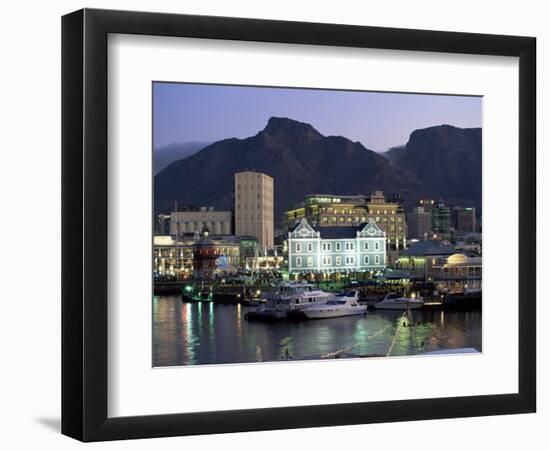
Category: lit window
[338,260]
[309,261]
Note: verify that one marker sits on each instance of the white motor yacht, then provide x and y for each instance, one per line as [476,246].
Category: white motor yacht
[341,305]
[288,300]
[396,301]
[295,296]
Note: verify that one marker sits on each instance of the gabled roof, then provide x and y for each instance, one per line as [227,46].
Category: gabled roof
[346,232]
[423,248]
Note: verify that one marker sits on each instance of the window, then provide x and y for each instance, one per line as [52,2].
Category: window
[367,260]
[377,246]
[366,246]
[350,260]
[350,246]
[310,261]
[298,248]
[338,260]
[309,247]
[329,246]
[299,261]
[338,246]
[377,259]
[324,247]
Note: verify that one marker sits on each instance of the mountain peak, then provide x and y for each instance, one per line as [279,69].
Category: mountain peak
[285,127]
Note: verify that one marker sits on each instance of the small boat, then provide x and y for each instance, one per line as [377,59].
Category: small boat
[396,301]
[287,300]
[295,296]
[341,305]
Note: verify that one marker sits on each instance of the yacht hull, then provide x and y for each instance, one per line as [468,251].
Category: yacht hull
[398,306]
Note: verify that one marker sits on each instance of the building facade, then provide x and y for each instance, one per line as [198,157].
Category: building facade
[254,206]
[323,210]
[457,273]
[215,257]
[441,221]
[336,249]
[191,220]
[464,219]
[419,258]
[173,259]
[419,224]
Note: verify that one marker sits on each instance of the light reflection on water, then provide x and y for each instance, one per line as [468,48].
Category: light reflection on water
[208,333]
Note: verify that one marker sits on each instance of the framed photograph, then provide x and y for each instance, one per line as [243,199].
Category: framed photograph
[273,224]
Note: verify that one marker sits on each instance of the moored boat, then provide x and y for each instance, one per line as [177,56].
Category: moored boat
[288,300]
[399,302]
[341,305]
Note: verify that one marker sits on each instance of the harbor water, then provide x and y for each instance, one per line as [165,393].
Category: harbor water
[210,333]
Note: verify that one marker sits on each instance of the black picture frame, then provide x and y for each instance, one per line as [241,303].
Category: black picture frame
[84,224]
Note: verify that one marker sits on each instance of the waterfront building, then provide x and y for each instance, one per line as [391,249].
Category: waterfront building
[441,221]
[324,210]
[190,220]
[419,224]
[336,249]
[173,259]
[215,256]
[254,206]
[457,273]
[464,219]
[420,257]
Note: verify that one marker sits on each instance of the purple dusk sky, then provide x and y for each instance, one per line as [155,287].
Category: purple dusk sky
[379,120]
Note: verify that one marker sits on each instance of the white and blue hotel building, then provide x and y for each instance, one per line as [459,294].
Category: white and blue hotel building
[336,249]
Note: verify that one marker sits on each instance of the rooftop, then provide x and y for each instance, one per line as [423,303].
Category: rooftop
[423,248]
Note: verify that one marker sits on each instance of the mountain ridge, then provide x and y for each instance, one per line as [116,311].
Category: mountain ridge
[303,161]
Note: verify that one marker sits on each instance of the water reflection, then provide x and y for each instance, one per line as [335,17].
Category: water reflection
[208,333]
